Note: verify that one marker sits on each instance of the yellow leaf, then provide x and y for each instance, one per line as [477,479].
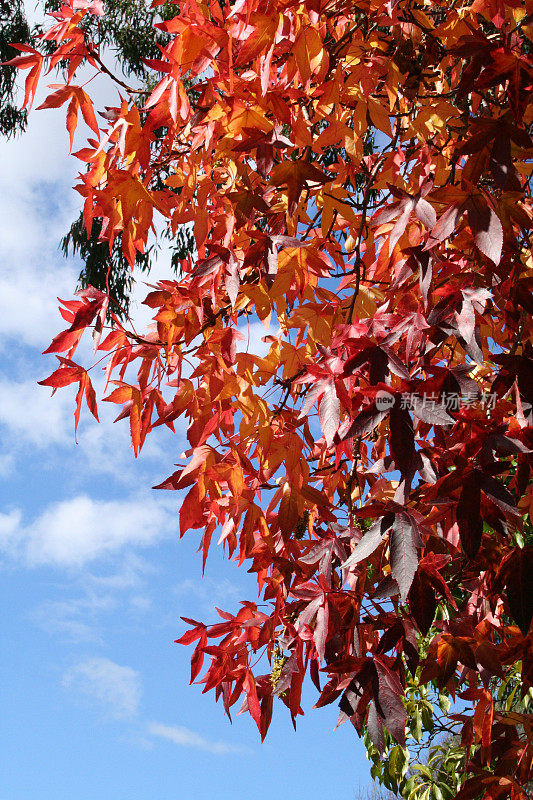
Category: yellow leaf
[379,116]
[308,52]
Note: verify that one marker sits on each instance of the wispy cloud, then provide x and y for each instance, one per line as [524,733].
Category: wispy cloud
[115,688]
[130,573]
[7,464]
[73,532]
[207,588]
[88,597]
[9,524]
[30,418]
[31,415]
[184,737]
[29,316]
[75,619]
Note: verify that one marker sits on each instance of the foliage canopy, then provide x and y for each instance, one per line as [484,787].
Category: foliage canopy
[358,176]
[126,33]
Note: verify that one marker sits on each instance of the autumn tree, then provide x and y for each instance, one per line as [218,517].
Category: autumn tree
[358,178]
[126,36]
[13,28]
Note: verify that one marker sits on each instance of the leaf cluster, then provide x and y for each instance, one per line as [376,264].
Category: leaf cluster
[362,177]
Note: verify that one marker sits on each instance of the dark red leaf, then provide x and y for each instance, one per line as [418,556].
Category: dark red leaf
[389,700]
[401,438]
[486,227]
[468,515]
[403,553]
[375,727]
[366,421]
[422,602]
[431,412]
[519,587]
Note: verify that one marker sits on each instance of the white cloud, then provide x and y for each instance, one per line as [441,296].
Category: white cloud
[107,447]
[141,603]
[204,590]
[30,418]
[74,618]
[37,205]
[28,296]
[103,593]
[7,464]
[9,524]
[116,688]
[131,574]
[184,737]
[29,413]
[74,532]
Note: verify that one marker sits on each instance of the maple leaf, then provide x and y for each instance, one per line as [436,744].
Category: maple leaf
[483,220]
[79,100]
[518,71]
[469,517]
[389,700]
[324,553]
[404,540]
[371,540]
[34,62]
[261,38]
[401,439]
[69,373]
[496,137]
[402,209]
[516,572]
[366,421]
[422,601]
[396,271]
[296,176]
[308,52]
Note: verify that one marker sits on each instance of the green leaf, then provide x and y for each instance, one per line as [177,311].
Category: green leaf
[444,703]
[416,725]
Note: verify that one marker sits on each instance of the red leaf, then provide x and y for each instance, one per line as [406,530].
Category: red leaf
[320,632]
[371,540]
[389,700]
[228,345]
[64,341]
[63,376]
[34,63]
[445,226]
[296,175]
[403,553]
[197,658]
[486,226]
[79,99]
[365,422]
[288,511]
[401,438]
[468,514]
[422,602]
[519,587]
[329,412]
[232,279]
[402,209]
[431,413]
[251,696]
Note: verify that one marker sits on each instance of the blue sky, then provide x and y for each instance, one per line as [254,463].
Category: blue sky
[96,698]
